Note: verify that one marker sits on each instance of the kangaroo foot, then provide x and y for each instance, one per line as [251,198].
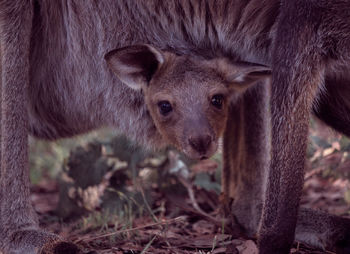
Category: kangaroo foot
[37,242]
[60,247]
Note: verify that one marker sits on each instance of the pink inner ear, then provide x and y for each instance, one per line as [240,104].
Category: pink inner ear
[134,65]
[243,81]
[240,78]
[157,54]
[145,61]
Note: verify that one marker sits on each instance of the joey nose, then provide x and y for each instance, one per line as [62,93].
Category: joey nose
[200,144]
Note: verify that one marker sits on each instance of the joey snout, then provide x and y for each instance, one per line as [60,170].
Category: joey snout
[199,141]
[201,146]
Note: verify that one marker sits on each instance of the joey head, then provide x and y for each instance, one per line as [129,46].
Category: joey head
[187,97]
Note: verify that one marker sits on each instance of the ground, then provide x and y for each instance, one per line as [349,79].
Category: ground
[163,203]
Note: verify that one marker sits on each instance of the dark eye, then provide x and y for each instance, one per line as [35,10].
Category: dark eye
[164,107]
[217,100]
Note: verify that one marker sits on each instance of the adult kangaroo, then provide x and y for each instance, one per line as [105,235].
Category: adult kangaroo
[47,45]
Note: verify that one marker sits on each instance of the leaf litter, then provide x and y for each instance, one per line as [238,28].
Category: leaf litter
[168,204]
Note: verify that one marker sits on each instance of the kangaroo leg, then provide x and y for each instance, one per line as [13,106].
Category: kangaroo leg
[297,74]
[290,112]
[245,163]
[246,157]
[19,227]
[292,99]
[321,229]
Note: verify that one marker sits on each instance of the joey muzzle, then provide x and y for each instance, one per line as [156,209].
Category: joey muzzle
[199,137]
[201,144]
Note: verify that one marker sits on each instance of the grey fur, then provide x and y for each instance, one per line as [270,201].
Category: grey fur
[55,51]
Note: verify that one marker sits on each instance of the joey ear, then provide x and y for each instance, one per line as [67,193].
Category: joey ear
[246,75]
[135,65]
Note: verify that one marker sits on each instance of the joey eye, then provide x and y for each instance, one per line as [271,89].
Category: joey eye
[217,100]
[164,107]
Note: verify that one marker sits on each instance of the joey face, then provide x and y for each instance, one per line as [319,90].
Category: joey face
[187,98]
[188,102]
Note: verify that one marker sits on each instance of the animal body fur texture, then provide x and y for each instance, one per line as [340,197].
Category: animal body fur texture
[52,61]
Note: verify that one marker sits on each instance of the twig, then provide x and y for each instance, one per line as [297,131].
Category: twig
[154,217]
[180,218]
[149,244]
[313,172]
[195,205]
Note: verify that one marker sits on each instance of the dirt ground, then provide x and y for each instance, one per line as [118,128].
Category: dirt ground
[186,219]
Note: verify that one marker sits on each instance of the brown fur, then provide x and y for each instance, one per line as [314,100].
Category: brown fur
[52,60]
[188,84]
